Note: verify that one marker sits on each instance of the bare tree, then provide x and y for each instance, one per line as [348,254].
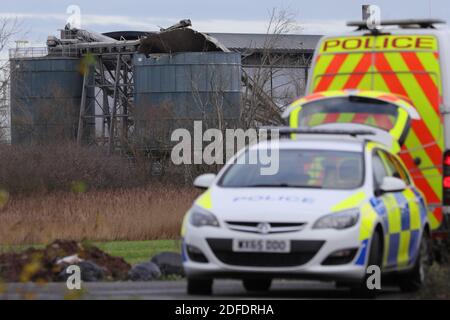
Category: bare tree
[271,82]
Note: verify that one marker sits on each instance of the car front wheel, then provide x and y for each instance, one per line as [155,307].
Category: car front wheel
[415,279]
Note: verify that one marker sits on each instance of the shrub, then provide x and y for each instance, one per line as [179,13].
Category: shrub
[27,169]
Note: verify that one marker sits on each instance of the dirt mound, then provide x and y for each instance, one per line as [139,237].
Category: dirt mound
[41,264]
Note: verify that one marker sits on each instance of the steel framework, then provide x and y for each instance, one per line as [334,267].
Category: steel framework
[108,74]
[4,112]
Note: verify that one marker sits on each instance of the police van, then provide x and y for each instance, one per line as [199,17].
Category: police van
[406,58]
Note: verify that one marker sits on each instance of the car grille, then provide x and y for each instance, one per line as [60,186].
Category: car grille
[302,251]
[274,227]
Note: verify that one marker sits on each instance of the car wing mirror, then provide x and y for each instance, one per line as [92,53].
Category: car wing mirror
[204,181]
[392,184]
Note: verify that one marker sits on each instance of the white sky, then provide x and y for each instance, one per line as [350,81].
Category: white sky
[318,16]
[42,18]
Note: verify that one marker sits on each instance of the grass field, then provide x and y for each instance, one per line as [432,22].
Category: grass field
[139,251]
[146,213]
[132,251]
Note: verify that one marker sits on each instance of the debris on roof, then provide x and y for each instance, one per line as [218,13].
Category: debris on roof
[179,40]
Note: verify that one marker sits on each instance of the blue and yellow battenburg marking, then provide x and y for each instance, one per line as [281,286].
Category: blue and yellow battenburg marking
[184,257]
[402,215]
[368,217]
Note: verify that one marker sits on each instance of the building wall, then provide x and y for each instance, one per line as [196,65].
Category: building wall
[45,100]
[174,90]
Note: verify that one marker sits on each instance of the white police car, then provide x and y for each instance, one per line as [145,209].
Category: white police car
[338,203]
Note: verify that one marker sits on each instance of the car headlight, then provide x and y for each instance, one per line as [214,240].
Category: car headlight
[338,220]
[201,218]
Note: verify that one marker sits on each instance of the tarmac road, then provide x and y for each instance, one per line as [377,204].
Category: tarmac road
[173,290]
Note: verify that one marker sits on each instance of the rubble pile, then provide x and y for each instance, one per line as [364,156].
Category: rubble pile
[50,263]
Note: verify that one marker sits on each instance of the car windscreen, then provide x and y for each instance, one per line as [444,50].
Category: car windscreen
[361,110]
[315,169]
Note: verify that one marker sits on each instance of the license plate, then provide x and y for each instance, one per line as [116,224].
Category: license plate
[261,245]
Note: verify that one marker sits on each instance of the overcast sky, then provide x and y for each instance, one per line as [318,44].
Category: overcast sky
[43,17]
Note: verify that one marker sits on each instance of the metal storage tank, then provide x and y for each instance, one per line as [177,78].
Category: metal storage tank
[173,90]
[45,100]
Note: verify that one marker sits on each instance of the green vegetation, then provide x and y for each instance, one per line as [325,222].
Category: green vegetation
[138,251]
[132,251]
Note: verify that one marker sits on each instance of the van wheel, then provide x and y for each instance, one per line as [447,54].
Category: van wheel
[199,286]
[375,258]
[259,285]
[416,278]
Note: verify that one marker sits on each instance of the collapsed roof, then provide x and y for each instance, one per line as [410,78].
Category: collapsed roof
[177,38]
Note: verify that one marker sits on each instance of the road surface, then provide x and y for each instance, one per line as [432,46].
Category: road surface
[223,289]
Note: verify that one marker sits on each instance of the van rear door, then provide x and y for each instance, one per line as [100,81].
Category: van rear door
[385,114]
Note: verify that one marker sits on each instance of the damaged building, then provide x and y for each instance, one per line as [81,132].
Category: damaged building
[122,88]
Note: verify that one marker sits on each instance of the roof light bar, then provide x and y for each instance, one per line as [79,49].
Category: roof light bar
[288,131]
[421,23]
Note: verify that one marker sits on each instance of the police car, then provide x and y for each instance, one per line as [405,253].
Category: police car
[339,202]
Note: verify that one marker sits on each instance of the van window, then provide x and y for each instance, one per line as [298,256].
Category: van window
[379,171]
[391,169]
[400,170]
[362,110]
[392,166]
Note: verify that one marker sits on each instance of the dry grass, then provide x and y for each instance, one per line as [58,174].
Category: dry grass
[145,213]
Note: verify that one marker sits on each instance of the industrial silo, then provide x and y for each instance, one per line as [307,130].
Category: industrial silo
[45,100]
[174,90]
